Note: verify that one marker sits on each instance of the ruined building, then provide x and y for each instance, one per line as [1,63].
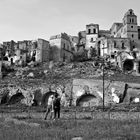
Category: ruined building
[121,43]
[61,48]
[25,51]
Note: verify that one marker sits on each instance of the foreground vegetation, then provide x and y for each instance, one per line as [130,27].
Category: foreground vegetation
[64,129]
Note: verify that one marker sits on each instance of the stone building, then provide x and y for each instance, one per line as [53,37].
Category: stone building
[61,47]
[74,41]
[42,50]
[8,47]
[22,52]
[127,29]
[122,37]
[92,33]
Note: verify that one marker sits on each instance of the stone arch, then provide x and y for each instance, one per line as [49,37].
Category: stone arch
[89,99]
[128,65]
[16,98]
[5,58]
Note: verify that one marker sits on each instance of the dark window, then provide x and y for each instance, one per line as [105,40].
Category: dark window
[112,56]
[130,12]
[64,57]
[34,52]
[89,31]
[114,44]
[91,40]
[139,33]
[134,55]
[94,31]
[123,45]
[64,46]
[132,35]
[132,20]
[131,26]
[5,58]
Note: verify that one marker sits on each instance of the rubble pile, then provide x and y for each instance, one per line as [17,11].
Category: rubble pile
[63,70]
[30,79]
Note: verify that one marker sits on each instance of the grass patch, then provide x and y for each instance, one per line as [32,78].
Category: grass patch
[97,129]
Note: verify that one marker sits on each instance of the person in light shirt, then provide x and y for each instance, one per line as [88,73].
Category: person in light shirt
[49,107]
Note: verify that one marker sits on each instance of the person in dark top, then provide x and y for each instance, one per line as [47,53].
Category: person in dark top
[56,106]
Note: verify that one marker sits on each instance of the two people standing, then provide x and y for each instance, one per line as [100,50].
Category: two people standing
[53,106]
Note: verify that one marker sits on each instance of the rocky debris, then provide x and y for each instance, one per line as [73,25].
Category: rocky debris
[63,70]
[59,73]
[30,75]
[77,138]
[45,72]
[19,73]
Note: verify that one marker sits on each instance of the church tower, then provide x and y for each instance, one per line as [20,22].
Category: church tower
[130,28]
[92,32]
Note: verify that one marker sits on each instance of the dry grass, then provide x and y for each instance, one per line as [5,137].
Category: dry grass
[66,129]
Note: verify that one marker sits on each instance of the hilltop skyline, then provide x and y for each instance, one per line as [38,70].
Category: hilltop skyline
[27,20]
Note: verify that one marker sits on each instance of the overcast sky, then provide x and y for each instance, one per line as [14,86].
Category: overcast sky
[32,19]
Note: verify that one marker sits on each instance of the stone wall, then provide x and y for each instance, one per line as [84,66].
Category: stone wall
[95,87]
[61,48]
[75,89]
[44,48]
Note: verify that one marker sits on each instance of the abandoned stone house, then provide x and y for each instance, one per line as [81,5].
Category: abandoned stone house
[122,37]
[61,48]
[24,51]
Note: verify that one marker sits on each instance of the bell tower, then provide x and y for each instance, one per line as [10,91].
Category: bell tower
[130,28]
[92,32]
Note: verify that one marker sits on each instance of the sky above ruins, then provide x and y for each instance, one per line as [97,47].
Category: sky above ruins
[32,19]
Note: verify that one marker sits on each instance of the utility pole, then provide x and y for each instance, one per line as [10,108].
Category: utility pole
[1,60]
[103,80]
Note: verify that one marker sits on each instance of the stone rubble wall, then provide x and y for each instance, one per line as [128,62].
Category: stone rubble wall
[71,91]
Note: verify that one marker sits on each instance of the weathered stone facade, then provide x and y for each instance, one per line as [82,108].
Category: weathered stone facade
[43,50]
[61,47]
[122,37]
[92,33]
[27,50]
[88,87]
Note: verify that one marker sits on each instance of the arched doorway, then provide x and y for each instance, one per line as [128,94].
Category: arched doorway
[128,65]
[87,100]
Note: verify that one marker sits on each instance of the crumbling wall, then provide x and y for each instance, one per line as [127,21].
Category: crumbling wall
[89,92]
[125,61]
[124,92]
[44,48]
[96,89]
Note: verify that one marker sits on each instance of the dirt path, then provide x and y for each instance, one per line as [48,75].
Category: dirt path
[77,115]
